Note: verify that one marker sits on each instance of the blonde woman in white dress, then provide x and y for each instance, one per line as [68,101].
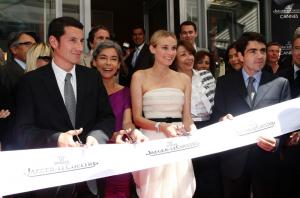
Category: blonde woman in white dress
[161,101]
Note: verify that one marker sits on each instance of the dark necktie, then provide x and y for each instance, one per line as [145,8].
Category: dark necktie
[251,90]
[70,100]
[135,55]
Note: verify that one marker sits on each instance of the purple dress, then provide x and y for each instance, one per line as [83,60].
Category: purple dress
[119,186]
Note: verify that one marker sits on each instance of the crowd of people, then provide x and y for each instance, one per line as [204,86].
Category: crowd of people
[52,94]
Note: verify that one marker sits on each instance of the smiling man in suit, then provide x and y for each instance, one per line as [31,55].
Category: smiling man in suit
[140,58]
[62,100]
[254,167]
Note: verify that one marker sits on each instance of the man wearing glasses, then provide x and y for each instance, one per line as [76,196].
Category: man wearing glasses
[18,44]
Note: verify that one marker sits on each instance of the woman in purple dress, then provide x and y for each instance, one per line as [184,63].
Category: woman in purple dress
[108,60]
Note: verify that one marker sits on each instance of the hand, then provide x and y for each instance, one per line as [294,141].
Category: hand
[227,117]
[266,143]
[181,130]
[118,137]
[124,136]
[91,141]
[66,139]
[170,130]
[294,139]
[138,136]
[4,113]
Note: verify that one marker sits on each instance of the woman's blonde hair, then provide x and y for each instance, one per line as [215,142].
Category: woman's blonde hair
[40,49]
[160,34]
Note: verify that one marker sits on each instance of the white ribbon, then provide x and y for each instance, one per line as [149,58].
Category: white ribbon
[27,170]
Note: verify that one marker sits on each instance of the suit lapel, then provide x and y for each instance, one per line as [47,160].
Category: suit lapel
[263,88]
[240,83]
[53,90]
[80,93]
[139,57]
[17,68]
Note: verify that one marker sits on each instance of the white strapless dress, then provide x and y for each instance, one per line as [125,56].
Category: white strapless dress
[175,180]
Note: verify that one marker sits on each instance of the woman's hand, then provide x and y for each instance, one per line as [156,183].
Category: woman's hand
[129,136]
[138,136]
[170,130]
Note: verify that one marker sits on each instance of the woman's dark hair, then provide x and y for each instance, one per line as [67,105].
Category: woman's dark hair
[188,46]
[228,67]
[201,55]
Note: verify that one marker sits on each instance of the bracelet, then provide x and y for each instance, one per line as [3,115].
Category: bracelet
[157,126]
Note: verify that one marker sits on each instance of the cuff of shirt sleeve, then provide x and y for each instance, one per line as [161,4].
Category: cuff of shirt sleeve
[53,139]
[100,136]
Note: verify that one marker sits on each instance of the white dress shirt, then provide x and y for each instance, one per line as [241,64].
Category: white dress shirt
[21,63]
[60,76]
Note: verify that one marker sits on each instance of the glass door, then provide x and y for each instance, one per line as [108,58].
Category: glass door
[28,15]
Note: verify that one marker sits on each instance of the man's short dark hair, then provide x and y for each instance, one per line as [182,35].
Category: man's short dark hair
[92,33]
[246,37]
[13,37]
[188,23]
[57,26]
[272,43]
[138,27]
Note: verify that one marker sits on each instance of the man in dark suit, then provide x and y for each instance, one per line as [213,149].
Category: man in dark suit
[62,102]
[96,35]
[140,58]
[18,44]
[273,56]
[188,32]
[291,151]
[4,110]
[255,167]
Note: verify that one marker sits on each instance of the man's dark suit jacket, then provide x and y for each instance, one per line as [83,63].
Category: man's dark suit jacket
[41,113]
[144,60]
[231,97]
[288,73]
[10,75]
[5,103]
[292,153]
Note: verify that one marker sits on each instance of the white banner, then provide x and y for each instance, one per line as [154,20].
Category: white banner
[27,170]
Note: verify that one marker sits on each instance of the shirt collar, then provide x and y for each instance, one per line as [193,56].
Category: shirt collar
[256,76]
[140,47]
[21,63]
[60,73]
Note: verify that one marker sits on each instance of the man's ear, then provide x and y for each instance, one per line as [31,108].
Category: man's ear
[53,42]
[13,49]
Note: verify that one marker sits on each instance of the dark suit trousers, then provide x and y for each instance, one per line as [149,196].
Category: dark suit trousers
[262,182]
[290,172]
[79,190]
[207,173]
[208,177]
